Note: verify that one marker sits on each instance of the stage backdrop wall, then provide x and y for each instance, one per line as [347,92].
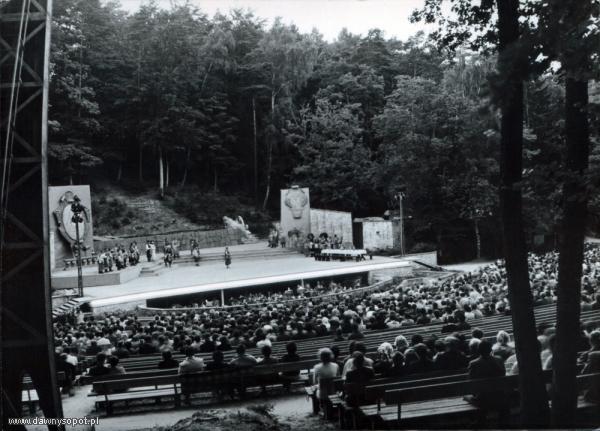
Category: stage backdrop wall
[59,200]
[333,222]
[295,210]
[376,233]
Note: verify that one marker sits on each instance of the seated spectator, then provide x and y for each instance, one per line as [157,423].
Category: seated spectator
[121,351]
[349,364]
[339,335]
[592,366]
[290,356]
[323,375]
[63,365]
[360,375]
[115,368]
[243,359]
[547,364]
[383,363]
[356,334]
[477,333]
[207,345]
[93,349]
[424,364]
[401,343]
[452,358]
[474,348]
[397,365]
[501,348]
[218,361]
[191,363]
[488,366]
[267,358]
[147,348]
[72,356]
[167,361]
[99,369]
[594,342]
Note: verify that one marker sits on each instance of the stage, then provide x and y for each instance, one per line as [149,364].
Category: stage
[243,273]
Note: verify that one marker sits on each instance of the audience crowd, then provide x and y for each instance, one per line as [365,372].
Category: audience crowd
[456,303]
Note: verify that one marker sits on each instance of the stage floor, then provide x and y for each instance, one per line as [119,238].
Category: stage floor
[213,276]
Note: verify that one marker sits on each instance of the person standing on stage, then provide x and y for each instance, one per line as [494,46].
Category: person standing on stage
[148,251]
[227,257]
[196,255]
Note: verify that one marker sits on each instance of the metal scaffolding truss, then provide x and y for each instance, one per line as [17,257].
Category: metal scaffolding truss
[25,297]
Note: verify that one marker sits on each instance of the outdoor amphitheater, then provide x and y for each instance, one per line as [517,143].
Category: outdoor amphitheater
[223,215]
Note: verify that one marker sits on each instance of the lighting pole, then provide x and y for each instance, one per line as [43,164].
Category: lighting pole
[77,209]
[400,195]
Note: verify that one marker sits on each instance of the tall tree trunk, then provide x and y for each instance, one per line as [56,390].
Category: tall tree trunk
[534,404]
[188,154]
[270,152]
[477,238]
[564,362]
[161,179]
[255,150]
[269,163]
[141,165]
[120,171]
[167,171]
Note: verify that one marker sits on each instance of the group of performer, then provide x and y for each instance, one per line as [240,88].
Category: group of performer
[118,256]
[276,239]
[314,245]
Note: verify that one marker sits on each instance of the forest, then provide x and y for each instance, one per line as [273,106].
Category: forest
[173,100]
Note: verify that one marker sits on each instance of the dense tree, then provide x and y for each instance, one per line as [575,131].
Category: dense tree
[171,97]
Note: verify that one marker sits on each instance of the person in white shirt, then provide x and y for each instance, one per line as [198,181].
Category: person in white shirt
[324,373]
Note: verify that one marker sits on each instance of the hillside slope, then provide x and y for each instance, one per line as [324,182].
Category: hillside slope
[120,212]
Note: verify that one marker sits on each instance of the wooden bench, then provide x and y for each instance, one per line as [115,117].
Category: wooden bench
[29,396]
[157,388]
[372,395]
[431,402]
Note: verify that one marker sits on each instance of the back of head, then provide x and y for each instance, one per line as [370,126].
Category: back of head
[360,347]
[189,352]
[218,356]
[100,358]
[167,354]
[291,348]
[485,348]
[325,355]
[502,338]
[359,359]
[266,351]
[241,349]
[477,333]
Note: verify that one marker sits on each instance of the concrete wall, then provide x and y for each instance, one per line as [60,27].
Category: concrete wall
[377,234]
[59,246]
[333,222]
[295,210]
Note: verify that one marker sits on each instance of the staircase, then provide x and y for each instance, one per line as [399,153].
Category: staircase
[69,306]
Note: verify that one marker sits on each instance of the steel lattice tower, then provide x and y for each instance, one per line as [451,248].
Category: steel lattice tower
[26,331]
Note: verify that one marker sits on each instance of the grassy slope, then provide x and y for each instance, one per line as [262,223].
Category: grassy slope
[117,211]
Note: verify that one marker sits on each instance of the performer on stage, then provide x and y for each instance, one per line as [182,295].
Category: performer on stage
[227,257]
[196,255]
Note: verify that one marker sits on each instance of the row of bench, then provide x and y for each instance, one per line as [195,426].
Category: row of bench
[372,340]
[160,386]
